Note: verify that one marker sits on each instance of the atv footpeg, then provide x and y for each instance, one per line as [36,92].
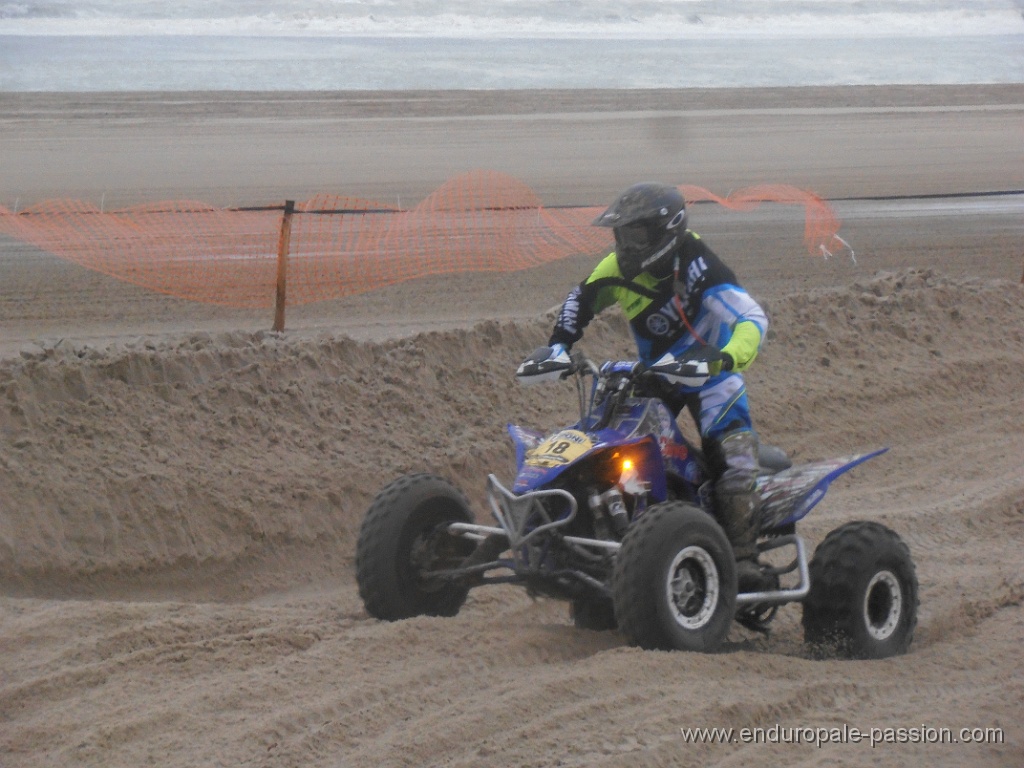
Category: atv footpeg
[487,550]
[779,596]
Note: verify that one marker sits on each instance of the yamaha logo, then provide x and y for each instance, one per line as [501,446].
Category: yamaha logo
[658,324]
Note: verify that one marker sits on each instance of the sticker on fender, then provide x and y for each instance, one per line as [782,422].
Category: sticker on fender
[561,448]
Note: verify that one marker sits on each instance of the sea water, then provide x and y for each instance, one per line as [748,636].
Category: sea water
[119,45]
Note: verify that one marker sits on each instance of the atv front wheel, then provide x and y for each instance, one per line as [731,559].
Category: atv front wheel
[403,538]
[675,580]
[863,598]
[593,613]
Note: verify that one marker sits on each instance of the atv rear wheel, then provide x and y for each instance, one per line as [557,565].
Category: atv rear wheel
[403,538]
[863,598]
[675,580]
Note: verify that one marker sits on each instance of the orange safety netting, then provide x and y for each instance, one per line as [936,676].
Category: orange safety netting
[482,221]
[821,225]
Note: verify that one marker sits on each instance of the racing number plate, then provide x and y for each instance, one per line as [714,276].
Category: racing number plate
[560,449]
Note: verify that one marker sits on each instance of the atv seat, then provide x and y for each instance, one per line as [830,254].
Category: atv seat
[772,459]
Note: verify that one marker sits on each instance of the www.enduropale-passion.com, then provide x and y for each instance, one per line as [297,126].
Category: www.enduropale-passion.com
[844,734]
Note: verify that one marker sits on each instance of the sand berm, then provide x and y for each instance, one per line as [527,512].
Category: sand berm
[184,488]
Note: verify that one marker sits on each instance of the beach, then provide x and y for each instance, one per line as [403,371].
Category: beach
[182,488]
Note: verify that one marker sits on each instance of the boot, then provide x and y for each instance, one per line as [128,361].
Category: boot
[739,505]
[739,514]
[750,577]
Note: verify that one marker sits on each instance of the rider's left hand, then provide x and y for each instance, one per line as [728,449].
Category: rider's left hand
[725,363]
[716,359]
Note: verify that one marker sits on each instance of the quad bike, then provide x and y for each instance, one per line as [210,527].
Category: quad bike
[616,515]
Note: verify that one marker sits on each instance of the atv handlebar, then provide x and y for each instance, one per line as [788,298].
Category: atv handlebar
[692,369]
[580,363]
[618,379]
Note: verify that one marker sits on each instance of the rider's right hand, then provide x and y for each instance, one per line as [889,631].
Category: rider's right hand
[545,364]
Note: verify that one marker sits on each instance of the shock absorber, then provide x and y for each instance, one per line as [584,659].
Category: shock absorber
[615,508]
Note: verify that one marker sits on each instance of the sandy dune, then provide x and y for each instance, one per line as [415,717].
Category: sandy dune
[182,489]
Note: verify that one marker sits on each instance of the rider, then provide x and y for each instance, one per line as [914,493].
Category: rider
[681,299]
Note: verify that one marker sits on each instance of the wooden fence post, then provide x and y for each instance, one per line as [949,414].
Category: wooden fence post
[283,244]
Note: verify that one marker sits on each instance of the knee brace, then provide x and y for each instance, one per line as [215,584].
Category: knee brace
[738,450]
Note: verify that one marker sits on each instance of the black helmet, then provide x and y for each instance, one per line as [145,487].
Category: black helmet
[647,220]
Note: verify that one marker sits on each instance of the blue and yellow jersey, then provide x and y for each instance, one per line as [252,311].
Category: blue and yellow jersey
[707,306]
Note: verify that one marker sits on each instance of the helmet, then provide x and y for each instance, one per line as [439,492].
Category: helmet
[647,220]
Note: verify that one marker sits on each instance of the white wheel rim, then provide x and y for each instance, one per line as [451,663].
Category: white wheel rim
[883,605]
[692,587]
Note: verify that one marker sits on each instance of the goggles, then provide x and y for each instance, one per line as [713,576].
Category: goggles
[636,237]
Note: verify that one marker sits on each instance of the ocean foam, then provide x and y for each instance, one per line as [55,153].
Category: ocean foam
[653,19]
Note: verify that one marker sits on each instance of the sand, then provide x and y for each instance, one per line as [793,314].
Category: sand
[182,489]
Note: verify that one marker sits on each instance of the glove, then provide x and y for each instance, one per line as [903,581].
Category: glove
[718,360]
[723,363]
[545,364]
